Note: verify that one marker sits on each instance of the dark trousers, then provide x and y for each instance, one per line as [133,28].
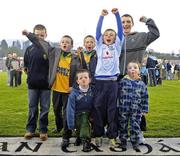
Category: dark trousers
[19,76]
[13,78]
[105,110]
[59,106]
[144,78]
[152,77]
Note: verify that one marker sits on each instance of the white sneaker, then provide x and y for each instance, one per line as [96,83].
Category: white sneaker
[141,138]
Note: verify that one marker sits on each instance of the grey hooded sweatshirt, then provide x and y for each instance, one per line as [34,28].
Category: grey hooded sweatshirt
[135,45]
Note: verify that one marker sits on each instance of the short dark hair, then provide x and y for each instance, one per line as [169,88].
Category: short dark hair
[69,38]
[128,15]
[39,27]
[110,30]
[82,71]
[90,36]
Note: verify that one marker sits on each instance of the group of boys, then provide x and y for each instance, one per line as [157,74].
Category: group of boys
[84,85]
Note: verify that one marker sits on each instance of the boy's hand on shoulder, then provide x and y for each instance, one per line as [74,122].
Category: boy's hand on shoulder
[79,50]
[104,12]
[70,89]
[25,32]
[114,10]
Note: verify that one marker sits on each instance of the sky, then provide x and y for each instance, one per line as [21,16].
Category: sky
[78,18]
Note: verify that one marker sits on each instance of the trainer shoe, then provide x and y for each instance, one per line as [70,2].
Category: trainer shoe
[28,135]
[55,130]
[43,136]
[65,143]
[141,139]
[78,141]
[98,141]
[86,146]
[113,143]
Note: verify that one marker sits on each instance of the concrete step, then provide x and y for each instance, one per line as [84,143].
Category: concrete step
[20,146]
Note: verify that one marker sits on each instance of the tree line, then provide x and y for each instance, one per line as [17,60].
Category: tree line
[19,47]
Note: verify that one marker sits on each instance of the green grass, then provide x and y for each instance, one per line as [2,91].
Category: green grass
[162,119]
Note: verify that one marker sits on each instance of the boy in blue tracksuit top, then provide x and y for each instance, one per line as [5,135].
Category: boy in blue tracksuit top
[79,107]
[108,48]
[133,102]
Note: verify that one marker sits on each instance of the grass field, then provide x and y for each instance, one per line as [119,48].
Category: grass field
[163,119]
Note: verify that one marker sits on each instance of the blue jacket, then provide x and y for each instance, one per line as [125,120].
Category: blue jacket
[78,102]
[36,64]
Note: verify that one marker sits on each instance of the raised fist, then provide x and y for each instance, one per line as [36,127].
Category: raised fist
[143,19]
[25,32]
[104,12]
[114,10]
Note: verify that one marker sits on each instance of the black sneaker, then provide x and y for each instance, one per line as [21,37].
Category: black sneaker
[136,148]
[86,146]
[78,142]
[65,143]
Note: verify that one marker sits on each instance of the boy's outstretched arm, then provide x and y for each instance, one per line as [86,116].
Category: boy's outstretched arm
[119,23]
[44,45]
[32,37]
[99,25]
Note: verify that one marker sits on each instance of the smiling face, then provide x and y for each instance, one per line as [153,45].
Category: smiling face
[89,43]
[109,37]
[127,23]
[66,44]
[133,70]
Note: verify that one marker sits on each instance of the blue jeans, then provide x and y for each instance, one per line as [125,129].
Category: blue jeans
[152,77]
[37,96]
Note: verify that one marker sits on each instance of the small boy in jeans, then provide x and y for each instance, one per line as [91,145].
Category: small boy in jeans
[79,107]
[36,65]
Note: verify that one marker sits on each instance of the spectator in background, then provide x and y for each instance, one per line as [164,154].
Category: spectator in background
[144,72]
[14,67]
[151,65]
[177,72]
[159,72]
[19,75]
[8,60]
[168,71]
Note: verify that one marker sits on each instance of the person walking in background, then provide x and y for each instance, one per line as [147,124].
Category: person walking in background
[19,72]
[14,68]
[107,70]
[79,107]
[177,71]
[133,102]
[36,65]
[144,72]
[151,66]
[168,71]
[7,63]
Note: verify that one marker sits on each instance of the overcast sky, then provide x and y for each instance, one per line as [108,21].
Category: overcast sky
[79,18]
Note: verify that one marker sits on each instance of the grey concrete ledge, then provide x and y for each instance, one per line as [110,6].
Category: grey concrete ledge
[20,146]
